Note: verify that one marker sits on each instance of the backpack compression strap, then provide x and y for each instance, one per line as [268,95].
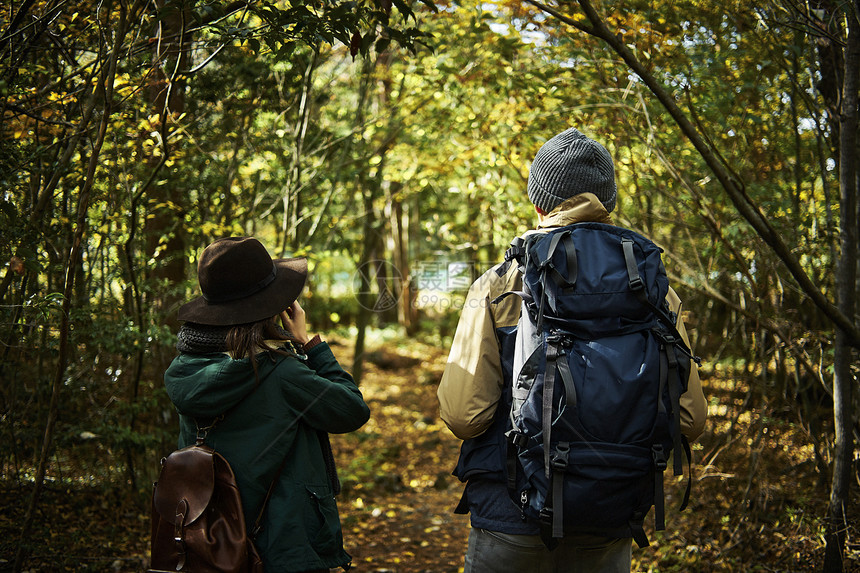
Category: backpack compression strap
[670,340]
[552,515]
[555,361]
[548,391]
[638,287]
[674,379]
[563,282]
[658,455]
[671,374]
[555,464]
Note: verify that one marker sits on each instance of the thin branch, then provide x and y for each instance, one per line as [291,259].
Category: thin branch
[733,187]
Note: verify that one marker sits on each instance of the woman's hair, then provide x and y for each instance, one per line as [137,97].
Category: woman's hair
[250,339]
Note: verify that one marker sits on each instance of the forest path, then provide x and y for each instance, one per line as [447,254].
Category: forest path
[399,495]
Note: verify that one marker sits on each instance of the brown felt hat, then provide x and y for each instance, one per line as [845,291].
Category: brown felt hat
[241,283]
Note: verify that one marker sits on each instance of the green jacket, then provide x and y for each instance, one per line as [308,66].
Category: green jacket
[281,419]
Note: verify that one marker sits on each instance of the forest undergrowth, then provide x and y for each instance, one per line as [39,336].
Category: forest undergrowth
[757,501]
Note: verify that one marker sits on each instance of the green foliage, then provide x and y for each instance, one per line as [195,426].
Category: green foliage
[276,29]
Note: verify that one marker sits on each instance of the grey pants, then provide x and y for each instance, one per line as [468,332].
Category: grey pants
[493,552]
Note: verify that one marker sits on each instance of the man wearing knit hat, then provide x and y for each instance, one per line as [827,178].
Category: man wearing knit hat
[571,164]
[571,180]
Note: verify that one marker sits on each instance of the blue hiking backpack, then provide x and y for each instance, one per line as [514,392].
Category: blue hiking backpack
[598,371]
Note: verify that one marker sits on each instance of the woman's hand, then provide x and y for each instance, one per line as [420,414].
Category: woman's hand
[293,320]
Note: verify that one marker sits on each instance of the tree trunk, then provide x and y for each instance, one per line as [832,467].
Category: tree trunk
[363,266]
[402,284]
[165,233]
[299,223]
[368,274]
[843,410]
[103,93]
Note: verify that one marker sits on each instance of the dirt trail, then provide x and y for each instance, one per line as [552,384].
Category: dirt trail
[398,498]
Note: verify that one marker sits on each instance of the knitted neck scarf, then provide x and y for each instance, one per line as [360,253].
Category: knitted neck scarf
[202,339]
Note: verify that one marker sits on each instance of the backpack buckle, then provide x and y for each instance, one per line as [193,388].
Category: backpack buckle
[666,337]
[659,456]
[203,431]
[517,439]
[516,250]
[561,456]
[559,338]
[545,515]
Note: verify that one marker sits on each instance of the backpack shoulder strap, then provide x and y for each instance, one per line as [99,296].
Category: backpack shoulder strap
[258,523]
[203,431]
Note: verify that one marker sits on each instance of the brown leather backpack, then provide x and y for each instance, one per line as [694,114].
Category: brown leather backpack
[197,519]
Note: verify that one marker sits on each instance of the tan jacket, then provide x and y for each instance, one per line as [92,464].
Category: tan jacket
[471,384]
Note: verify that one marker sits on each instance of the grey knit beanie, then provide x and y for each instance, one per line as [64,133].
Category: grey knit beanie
[567,165]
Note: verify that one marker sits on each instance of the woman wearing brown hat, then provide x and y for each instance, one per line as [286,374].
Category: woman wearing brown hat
[281,394]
